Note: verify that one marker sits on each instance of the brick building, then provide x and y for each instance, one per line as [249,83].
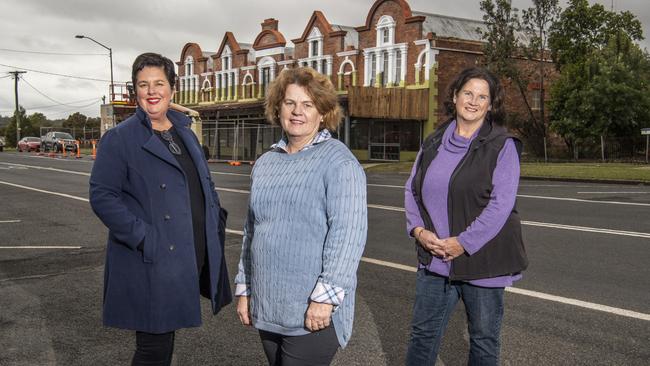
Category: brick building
[391,73]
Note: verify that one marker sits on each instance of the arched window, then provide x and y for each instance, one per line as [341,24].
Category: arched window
[189,65]
[385,31]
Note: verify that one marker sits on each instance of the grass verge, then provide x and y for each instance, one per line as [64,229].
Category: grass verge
[582,171]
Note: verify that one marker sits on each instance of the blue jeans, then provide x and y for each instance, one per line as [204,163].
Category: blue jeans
[435,299]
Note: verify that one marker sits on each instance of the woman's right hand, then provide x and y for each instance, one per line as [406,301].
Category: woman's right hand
[242,310]
[430,241]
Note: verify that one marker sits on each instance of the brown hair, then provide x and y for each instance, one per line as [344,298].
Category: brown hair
[318,87]
[497,113]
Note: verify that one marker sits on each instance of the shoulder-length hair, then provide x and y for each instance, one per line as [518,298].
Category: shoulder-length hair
[318,87]
[497,113]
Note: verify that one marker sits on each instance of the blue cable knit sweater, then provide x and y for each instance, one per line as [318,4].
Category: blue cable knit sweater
[307,223]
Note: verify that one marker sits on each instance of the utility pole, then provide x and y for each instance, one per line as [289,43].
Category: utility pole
[17,114]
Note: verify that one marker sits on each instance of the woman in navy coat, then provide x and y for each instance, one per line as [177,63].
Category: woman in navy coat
[151,187]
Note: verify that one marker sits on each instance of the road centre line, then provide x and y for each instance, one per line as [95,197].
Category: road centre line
[640,192]
[518,291]
[384,185]
[583,200]
[399,209]
[41,247]
[244,191]
[9,221]
[535,294]
[226,173]
[549,225]
[48,168]
[44,191]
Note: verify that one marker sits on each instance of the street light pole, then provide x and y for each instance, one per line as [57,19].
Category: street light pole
[110,56]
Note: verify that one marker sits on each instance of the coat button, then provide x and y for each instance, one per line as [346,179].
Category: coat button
[167,217]
[171,247]
[163,186]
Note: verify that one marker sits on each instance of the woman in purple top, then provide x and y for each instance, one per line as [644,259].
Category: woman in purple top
[460,208]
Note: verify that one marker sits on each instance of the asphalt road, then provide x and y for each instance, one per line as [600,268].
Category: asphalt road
[585,300]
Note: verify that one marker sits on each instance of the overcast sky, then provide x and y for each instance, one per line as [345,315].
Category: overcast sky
[131,27]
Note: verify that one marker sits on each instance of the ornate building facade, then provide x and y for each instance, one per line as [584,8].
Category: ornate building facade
[391,74]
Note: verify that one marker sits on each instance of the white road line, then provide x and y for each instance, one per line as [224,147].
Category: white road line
[613,192]
[389,208]
[540,295]
[48,168]
[518,291]
[384,185]
[232,190]
[580,303]
[549,225]
[236,232]
[587,229]
[225,173]
[60,159]
[399,209]
[377,185]
[581,200]
[44,191]
[42,247]
[9,221]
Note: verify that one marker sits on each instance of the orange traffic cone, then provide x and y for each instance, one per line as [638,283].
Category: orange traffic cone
[78,149]
[94,149]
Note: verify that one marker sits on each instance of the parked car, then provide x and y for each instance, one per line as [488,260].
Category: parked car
[54,141]
[29,144]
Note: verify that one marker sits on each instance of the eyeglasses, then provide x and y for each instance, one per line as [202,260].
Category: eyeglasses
[173,146]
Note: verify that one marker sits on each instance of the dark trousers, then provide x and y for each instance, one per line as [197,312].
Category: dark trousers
[153,349]
[435,299]
[317,348]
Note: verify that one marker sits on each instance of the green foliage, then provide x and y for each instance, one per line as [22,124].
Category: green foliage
[603,87]
[583,29]
[76,120]
[10,130]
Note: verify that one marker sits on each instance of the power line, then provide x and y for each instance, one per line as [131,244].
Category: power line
[43,94]
[55,74]
[54,53]
[72,110]
[55,105]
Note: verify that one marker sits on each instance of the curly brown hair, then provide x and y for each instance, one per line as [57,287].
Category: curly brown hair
[318,87]
[497,113]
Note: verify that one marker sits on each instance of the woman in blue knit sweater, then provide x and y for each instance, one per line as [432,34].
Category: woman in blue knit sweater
[306,228]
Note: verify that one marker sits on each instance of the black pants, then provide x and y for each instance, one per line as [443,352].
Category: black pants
[153,349]
[317,348]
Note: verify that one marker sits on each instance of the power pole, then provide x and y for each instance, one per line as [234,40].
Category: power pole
[17,114]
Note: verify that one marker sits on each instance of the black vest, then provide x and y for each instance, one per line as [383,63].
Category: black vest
[470,187]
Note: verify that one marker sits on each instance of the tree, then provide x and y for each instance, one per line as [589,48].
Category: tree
[76,120]
[583,29]
[537,22]
[10,131]
[510,40]
[603,87]
[607,94]
[37,121]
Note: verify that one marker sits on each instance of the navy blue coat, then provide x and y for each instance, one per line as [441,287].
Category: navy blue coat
[139,191]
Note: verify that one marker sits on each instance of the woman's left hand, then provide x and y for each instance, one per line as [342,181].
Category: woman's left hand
[318,316]
[452,248]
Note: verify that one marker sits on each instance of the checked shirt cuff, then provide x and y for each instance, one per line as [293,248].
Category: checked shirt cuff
[327,294]
[242,289]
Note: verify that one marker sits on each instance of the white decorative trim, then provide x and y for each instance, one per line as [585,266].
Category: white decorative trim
[269,52]
[386,22]
[247,68]
[345,62]
[347,53]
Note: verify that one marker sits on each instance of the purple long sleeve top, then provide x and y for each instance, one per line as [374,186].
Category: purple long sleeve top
[435,190]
